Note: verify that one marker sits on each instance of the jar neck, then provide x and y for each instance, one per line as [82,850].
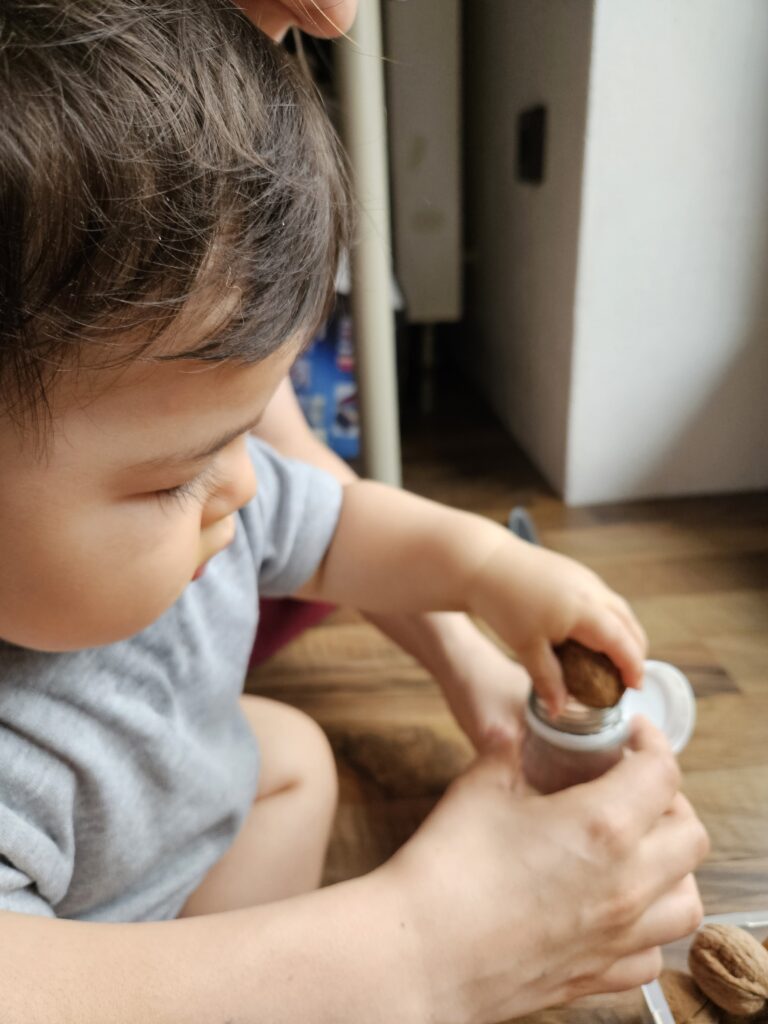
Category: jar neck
[576,718]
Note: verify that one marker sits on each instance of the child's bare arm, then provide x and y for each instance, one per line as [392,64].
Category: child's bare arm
[393,551]
[484,688]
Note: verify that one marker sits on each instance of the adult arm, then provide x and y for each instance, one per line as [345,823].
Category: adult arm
[501,904]
[332,955]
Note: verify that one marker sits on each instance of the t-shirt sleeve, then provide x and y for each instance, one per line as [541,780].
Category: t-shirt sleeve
[36,841]
[291,521]
[19,893]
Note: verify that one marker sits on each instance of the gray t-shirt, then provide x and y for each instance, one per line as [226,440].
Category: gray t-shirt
[127,770]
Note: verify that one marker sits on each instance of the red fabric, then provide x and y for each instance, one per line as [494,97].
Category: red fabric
[282,620]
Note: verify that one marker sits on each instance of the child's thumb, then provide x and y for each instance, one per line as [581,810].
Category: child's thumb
[546,674]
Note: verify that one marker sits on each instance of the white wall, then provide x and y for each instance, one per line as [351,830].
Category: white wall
[622,308]
[669,389]
[523,238]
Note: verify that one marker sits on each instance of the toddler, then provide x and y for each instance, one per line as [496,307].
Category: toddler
[173,207]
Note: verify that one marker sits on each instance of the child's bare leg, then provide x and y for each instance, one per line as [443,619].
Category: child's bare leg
[281,848]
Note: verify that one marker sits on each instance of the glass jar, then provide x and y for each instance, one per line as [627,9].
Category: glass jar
[577,745]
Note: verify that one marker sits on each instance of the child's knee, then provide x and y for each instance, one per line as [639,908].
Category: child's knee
[317,768]
[295,752]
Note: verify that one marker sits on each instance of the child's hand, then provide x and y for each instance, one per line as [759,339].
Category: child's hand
[521,902]
[535,599]
[427,557]
[484,688]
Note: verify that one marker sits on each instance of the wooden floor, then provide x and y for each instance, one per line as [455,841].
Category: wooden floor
[696,572]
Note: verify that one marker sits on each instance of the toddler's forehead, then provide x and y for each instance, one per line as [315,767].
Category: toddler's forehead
[157,403]
[163,390]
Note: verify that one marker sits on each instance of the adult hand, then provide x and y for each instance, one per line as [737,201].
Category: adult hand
[323,18]
[521,902]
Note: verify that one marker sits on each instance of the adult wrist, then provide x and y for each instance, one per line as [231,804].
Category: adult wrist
[440,997]
[402,961]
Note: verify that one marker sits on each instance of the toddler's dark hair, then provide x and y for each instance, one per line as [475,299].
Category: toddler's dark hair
[151,150]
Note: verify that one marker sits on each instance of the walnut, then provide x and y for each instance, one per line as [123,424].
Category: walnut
[590,677]
[687,1002]
[731,967]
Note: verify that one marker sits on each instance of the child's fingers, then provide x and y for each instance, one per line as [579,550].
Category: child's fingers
[546,674]
[608,635]
[624,612]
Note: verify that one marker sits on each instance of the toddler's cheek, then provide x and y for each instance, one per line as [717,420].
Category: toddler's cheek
[119,599]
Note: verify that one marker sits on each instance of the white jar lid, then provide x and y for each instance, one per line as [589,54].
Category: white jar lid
[666,699]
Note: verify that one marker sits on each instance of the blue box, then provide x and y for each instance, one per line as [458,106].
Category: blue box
[324,380]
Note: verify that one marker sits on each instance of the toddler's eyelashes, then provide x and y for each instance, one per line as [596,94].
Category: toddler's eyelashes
[196,489]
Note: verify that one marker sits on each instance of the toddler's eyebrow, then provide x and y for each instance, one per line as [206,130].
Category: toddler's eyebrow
[180,458]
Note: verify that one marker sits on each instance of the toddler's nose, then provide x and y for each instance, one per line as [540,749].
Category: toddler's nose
[237,482]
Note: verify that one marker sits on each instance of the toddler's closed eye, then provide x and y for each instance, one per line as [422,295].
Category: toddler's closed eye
[195,489]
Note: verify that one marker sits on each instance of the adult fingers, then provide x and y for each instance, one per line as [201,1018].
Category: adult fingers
[322,18]
[669,852]
[272,17]
[644,737]
[656,899]
[628,972]
[671,917]
[325,18]
[621,806]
